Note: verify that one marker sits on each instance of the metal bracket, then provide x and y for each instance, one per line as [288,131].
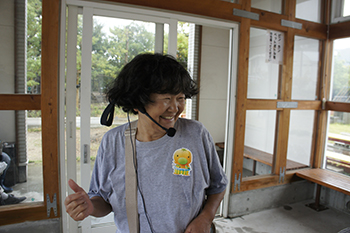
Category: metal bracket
[86,151]
[291,24]
[52,204]
[324,104]
[237,182]
[245,14]
[282,174]
[281,104]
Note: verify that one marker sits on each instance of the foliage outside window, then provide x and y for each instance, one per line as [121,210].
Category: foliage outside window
[346,8]
[34,18]
[114,46]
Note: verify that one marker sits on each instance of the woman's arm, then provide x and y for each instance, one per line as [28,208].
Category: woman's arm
[101,207]
[79,205]
[203,222]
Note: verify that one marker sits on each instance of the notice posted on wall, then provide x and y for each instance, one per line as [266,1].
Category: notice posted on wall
[274,47]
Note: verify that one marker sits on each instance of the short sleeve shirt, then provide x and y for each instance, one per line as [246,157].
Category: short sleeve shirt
[174,174]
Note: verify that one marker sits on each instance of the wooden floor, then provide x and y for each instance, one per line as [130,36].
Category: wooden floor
[294,218]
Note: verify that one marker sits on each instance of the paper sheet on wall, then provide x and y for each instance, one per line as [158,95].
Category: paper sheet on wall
[274,47]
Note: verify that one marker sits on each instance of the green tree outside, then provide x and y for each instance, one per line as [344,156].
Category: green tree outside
[34,17]
[110,52]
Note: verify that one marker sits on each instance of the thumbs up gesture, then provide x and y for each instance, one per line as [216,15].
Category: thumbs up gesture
[78,205]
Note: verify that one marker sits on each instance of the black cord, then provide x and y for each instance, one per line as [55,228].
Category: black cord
[137,177]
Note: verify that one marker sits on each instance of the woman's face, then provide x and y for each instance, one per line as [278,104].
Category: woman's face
[166,108]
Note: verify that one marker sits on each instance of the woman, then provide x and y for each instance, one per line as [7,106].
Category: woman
[181,182]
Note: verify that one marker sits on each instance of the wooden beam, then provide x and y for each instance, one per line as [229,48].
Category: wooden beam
[263,104]
[205,8]
[337,106]
[311,30]
[283,116]
[20,102]
[309,105]
[12,214]
[265,181]
[268,20]
[242,84]
[49,101]
[320,126]
[339,30]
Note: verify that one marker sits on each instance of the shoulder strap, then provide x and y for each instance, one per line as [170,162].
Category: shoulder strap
[130,178]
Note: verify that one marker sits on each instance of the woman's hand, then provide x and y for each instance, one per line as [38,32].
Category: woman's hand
[78,205]
[199,225]
[202,223]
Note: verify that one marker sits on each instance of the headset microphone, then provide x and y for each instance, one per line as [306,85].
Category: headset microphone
[170,132]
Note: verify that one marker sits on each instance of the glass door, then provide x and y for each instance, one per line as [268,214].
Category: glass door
[99,44]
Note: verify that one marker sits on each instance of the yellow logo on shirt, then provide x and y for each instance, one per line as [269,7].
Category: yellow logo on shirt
[182,160]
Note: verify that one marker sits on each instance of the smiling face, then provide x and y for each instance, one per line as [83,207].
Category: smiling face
[164,109]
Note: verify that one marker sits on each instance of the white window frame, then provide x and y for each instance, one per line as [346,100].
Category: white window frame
[337,12]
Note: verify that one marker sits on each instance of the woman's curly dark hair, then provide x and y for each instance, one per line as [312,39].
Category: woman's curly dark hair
[147,74]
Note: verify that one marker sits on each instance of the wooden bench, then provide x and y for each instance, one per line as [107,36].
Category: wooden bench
[329,179]
[266,158]
[263,157]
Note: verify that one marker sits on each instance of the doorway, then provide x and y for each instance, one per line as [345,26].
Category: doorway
[101,38]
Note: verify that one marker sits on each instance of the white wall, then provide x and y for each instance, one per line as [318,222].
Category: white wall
[7,67]
[214,80]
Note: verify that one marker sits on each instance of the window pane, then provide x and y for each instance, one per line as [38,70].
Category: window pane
[193,60]
[259,142]
[341,71]
[7,48]
[300,138]
[338,143]
[305,68]
[268,5]
[115,42]
[33,46]
[262,76]
[20,46]
[21,140]
[185,54]
[309,10]
[346,8]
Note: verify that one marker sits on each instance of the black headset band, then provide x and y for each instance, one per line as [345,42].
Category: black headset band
[108,115]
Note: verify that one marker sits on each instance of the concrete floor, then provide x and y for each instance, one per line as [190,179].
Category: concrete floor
[294,218]
[33,188]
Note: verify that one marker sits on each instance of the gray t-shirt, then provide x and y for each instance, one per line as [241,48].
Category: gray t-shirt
[174,174]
